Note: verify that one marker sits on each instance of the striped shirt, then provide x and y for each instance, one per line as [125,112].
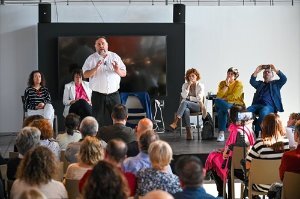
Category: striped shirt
[33,97]
[261,151]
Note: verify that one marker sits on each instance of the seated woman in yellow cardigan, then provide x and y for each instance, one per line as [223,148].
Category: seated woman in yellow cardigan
[230,91]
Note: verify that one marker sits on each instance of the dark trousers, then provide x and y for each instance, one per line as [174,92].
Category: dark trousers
[103,105]
[219,182]
[81,108]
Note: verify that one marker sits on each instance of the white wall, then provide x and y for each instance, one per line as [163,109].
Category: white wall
[216,38]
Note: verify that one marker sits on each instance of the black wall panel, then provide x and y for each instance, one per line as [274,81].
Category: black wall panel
[48,34]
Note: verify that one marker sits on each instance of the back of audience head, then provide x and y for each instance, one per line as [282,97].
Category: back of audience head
[144,125]
[116,150]
[234,110]
[38,166]
[27,138]
[272,129]
[106,181]
[160,154]
[158,194]
[190,171]
[119,112]
[29,119]
[44,126]
[91,151]
[293,118]
[32,193]
[72,122]
[272,126]
[89,126]
[146,139]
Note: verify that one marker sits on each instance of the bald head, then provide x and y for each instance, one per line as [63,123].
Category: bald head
[144,125]
[158,194]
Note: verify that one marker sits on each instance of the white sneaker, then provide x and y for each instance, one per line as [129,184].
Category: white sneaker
[221,137]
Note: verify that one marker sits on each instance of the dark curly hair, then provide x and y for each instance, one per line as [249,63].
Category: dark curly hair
[190,71]
[38,166]
[44,126]
[30,79]
[106,181]
[235,71]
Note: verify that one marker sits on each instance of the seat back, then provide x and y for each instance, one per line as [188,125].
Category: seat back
[237,156]
[72,187]
[138,105]
[290,189]
[60,172]
[64,160]
[13,154]
[24,108]
[263,171]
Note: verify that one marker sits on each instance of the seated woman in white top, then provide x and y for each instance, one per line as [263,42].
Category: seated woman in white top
[72,133]
[37,170]
[37,100]
[91,152]
[77,96]
[47,136]
[290,128]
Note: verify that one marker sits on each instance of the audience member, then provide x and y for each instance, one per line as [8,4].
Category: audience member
[72,133]
[104,70]
[142,160]
[239,135]
[27,138]
[47,135]
[118,129]
[37,170]
[143,125]
[90,153]
[271,145]
[116,153]
[106,182]
[267,98]
[158,177]
[192,95]
[290,128]
[77,96]
[37,97]
[88,127]
[290,160]
[29,119]
[230,91]
[191,175]
[158,194]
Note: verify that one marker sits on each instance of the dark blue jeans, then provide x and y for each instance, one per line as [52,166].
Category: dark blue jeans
[262,111]
[222,108]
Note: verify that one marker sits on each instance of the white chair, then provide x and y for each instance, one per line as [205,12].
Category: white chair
[263,171]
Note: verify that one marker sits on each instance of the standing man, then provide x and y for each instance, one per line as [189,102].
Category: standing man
[104,70]
[267,98]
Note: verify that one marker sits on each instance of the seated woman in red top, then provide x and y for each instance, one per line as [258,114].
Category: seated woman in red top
[77,96]
[290,160]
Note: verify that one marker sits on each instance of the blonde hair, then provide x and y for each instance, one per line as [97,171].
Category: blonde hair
[160,153]
[91,151]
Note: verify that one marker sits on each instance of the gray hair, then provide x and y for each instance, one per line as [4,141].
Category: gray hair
[27,138]
[89,126]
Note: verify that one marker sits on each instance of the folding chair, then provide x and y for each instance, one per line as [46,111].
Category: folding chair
[72,187]
[290,189]
[263,171]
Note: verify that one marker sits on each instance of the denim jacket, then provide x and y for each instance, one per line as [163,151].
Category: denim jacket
[275,87]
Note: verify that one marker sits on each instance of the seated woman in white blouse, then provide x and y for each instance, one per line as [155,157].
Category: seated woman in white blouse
[77,96]
[91,152]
